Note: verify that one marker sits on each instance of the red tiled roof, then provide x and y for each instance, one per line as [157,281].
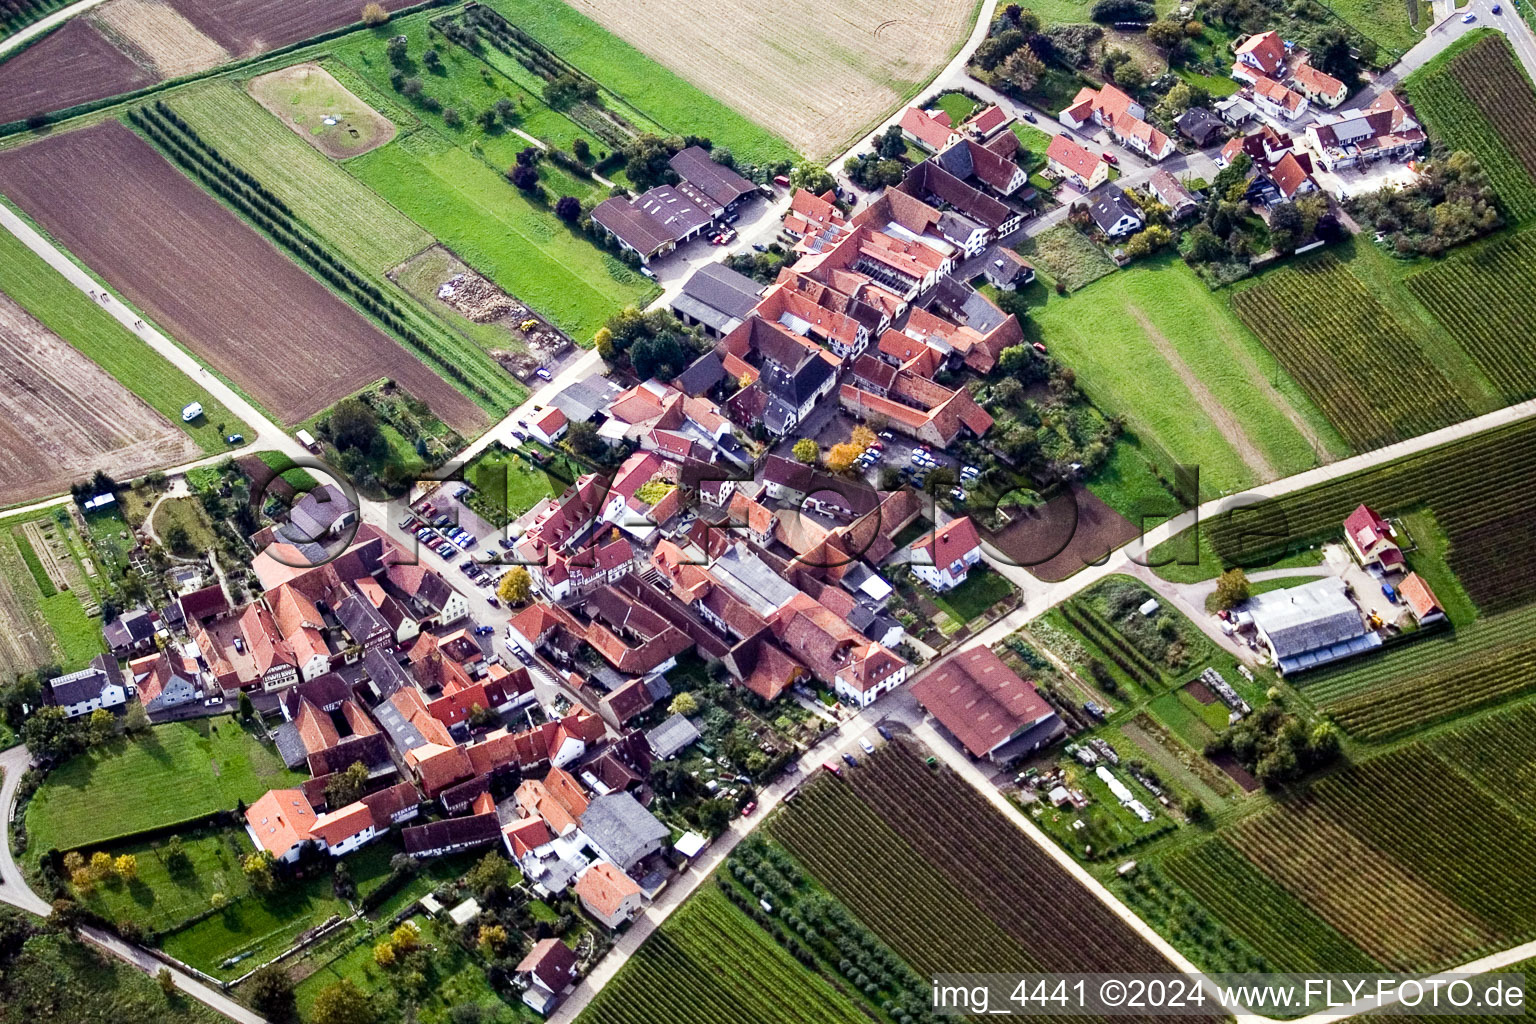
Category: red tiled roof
[1073,157]
[526,835]
[339,826]
[1266,48]
[1318,82]
[979,699]
[1418,595]
[949,543]
[281,819]
[550,420]
[933,131]
[604,888]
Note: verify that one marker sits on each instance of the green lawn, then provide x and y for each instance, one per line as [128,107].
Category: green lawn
[187,513]
[256,926]
[957,105]
[982,589]
[1065,254]
[175,772]
[78,634]
[1035,141]
[161,899]
[72,315]
[354,219]
[514,242]
[1385,21]
[651,89]
[1180,714]
[1428,559]
[526,485]
[1155,345]
[1127,484]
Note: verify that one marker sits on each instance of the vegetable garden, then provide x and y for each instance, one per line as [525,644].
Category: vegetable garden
[1485,296]
[1349,353]
[1480,100]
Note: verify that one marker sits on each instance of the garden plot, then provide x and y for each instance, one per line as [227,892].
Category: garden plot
[321,111]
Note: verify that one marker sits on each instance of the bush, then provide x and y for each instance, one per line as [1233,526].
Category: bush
[1107,12]
[374,15]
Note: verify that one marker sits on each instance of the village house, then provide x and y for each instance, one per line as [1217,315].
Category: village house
[932,131]
[717,298]
[1075,164]
[1372,541]
[968,218]
[943,557]
[990,164]
[165,680]
[546,974]
[1111,108]
[662,218]
[1172,194]
[1200,126]
[609,895]
[1274,99]
[318,515]
[548,425]
[1261,54]
[1317,86]
[1382,131]
[132,632]
[986,122]
[100,685]
[1114,213]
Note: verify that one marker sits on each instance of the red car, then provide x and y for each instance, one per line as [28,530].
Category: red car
[834,769]
[746,812]
[1109,158]
[1039,348]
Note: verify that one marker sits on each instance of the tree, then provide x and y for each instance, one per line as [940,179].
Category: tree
[342,1003]
[374,15]
[1231,588]
[384,954]
[568,209]
[524,177]
[270,992]
[862,437]
[1130,77]
[126,866]
[841,457]
[354,426]
[258,868]
[806,450]
[584,439]
[581,149]
[137,719]
[490,875]
[684,704]
[603,342]
[247,710]
[492,939]
[890,144]
[166,982]
[406,938]
[715,816]
[432,60]
[176,859]
[395,50]
[1166,35]
[452,118]
[178,539]
[102,726]
[347,785]
[516,586]
[812,178]
[1023,69]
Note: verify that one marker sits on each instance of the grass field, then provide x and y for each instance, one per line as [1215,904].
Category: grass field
[352,218]
[321,111]
[708,961]
[1064,254]
[1475,96]
[72,315]
[173,773]
[187,513]
[1385,21]
[513,242]
[1328,329]
[1155,345]
[655,92]
[957,105]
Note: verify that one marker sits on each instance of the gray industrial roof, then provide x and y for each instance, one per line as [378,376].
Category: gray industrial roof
[1311,624]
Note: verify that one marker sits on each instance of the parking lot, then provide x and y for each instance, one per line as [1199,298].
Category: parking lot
[449,529]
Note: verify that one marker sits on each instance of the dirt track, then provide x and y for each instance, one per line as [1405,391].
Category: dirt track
[212,282]
[62,417]
[816,72]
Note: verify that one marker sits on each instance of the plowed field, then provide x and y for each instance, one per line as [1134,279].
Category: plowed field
[220,288]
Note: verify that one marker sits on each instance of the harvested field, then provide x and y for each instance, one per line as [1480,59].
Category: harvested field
[215,284]
[249,27]
[321,111]
[818,73]
[1068,532]
[73,64]
[153,32]
[62,417]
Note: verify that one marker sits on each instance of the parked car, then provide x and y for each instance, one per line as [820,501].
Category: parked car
[544,374]
[484,630]
[1111,159]
[869,748]
[235,439]
[1497,9]
[493,602]
[442,521]
[1389,592]
[1039,348]
[886,435]
[648,272]
[746,812]
[1469,18]
[781,180]
[830,767]
[1029,116]
[1094,710]
[213,702]
[850,761]
[885,733]
[759,247]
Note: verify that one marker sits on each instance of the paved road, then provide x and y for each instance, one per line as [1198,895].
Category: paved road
[42,25]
